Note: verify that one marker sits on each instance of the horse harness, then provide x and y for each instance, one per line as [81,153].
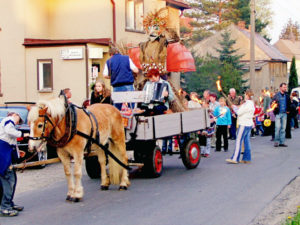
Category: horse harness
[71,131]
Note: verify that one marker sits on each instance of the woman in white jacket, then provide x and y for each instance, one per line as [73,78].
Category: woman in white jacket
[245,115]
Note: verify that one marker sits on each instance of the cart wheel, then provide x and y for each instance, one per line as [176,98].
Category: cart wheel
[191,154]
[92,167]
[153,163]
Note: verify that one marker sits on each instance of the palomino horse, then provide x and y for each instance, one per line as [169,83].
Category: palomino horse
[48,120]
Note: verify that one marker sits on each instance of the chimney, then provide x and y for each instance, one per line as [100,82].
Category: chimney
[242,25]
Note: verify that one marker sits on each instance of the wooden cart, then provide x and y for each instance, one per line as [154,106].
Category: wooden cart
[145,132]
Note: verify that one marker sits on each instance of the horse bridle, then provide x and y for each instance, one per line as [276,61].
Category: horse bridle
[42,137]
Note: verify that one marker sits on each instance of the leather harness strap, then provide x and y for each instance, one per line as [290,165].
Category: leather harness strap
[104,148]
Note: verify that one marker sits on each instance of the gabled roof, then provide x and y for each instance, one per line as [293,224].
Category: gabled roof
[264,45]
[179,4]
[264,51]
[31,42]
[288,48]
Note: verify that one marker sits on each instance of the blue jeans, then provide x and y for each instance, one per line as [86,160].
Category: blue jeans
[232,129]
[280,125]
[120,89]
[243,135]
[9,181]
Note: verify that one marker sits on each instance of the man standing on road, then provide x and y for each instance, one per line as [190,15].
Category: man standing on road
[119,70]
[8,152]
[233,99]
[283,101]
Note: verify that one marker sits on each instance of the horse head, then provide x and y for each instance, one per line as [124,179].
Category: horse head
[43,119]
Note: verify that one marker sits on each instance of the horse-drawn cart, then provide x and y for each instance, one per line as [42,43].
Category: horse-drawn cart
[143,135]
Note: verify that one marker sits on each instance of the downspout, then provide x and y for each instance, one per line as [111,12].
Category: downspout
[86,71]
[114,19]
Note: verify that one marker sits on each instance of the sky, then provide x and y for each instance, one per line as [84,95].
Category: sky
[283,10]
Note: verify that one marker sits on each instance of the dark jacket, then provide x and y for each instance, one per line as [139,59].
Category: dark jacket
[119,70]
[276,98]
[99,99]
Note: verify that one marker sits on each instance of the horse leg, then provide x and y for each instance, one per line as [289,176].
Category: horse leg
[65,160]
[104,177]
[118,148]
[78,191]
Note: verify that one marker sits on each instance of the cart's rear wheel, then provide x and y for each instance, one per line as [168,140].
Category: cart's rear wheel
[191,154]
[153,163]
[92,167]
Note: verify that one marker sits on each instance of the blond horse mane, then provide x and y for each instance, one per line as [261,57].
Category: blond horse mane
[55,108]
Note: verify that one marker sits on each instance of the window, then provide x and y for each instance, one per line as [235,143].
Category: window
[45,74]
[134,15]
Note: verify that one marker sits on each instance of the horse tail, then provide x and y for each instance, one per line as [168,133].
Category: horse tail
[115,170]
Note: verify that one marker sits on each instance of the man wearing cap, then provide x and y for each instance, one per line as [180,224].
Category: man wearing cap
[119,70]
[8,152]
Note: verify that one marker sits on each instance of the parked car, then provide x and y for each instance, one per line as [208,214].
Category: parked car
[23,108]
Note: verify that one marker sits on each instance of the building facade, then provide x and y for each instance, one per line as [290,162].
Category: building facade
[290,48]
[49,45]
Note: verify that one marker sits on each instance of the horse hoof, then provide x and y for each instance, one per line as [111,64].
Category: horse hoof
[104,188]
[69,198]
[122,188]
[76,199]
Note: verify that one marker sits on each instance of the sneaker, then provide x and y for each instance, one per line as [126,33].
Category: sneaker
[282,145]
[206,155]
[9,212]
[231,161]
[18,208]
[276,144]
[246,162]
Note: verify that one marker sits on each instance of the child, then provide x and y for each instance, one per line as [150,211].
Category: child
[206,136]
[223,121]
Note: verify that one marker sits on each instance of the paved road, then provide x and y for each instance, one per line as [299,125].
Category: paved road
[215,193]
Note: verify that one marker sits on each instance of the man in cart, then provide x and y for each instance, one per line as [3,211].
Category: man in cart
[119,70]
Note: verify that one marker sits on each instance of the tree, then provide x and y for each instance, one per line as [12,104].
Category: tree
[208,68]
[232,69]
[205,76]
[291,31]
[214,15]
[293,78]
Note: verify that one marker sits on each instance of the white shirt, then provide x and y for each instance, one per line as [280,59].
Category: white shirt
[8,132]
[131,64]
[245,113]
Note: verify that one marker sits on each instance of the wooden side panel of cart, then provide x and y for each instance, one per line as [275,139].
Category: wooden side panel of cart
[156,127]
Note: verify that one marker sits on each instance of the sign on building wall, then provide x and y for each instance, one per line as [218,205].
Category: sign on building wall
[72,53]
[96,53]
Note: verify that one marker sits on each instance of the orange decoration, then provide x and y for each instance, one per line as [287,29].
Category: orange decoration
[134,54]
[179,58]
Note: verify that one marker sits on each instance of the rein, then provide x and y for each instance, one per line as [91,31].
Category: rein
[26,160]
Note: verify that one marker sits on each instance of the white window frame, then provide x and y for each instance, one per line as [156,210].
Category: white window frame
[40,75]
[134,22]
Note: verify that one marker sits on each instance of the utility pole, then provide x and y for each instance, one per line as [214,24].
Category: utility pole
[252,44]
